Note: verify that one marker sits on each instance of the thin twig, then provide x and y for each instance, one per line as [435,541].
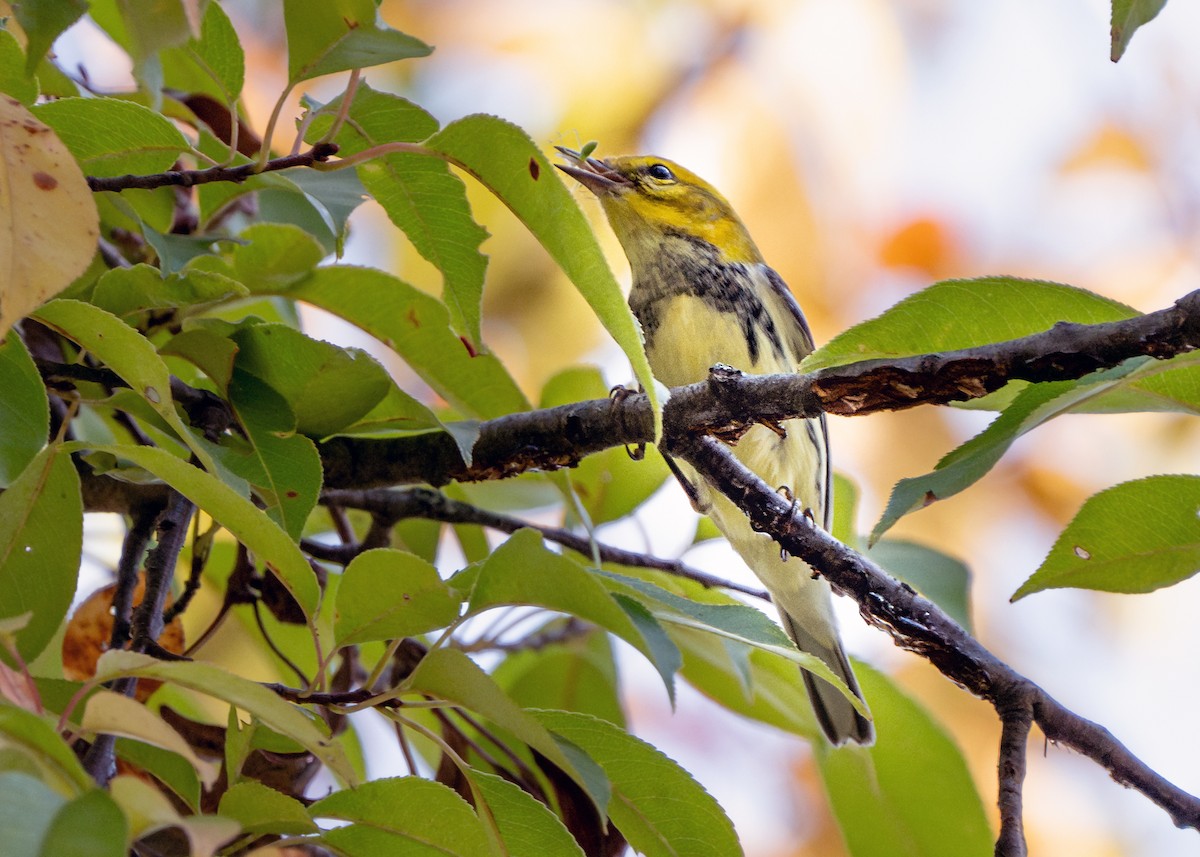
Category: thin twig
[132,549]
[189,178]
[160,570]
[262,629]
[433,505]
[1016,718]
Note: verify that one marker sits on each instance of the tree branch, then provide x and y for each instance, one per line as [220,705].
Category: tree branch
[560,437]
[919,625]
[1016,717]
[187,178]
[393,506]
[160,570]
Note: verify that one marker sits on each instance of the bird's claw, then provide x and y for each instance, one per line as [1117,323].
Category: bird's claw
[617,395]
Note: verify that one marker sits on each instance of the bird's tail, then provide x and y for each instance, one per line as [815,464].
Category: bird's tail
[838,718]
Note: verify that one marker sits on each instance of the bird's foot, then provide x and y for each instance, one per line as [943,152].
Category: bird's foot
[617,395]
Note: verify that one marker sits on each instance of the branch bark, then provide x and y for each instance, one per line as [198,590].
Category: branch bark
[391,506]
[188,178]
[920,626]
[560,437]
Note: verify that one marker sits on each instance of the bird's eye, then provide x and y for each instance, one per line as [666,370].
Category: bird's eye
[660,172]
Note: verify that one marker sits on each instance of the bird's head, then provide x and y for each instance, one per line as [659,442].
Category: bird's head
[648,199]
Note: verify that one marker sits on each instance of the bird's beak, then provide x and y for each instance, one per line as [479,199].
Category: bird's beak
[592,173]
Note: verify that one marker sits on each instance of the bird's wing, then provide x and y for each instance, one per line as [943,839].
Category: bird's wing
[799,337]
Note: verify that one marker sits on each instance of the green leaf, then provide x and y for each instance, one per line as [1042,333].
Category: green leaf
[580,675]
[208,351]
[41,536]
[749,681]
[245,522]
[720,615]
[92,825]
[326,386]
[386,594]
[173,771]
[527,827]
[147,211]
[146,808]
[845,510]
[284,468]
[450,675]
[127,291]
[43,21]
[24,409]
[397,413]
[655,804]
[508,163]
[337,193]
[213,64]
[909,795]
[956,314]
[1150,385]
[406,816]
[292,207]
[111,137]
[325,37]
[262,810]
[127,353]
[968,463]
[417,327]
[272,257]
[942,579]
[27,808]
[59,767]
[147,31]
[284,717]
[523,571]
[13,80]
[420,195]
[1127,16]
[1134,537]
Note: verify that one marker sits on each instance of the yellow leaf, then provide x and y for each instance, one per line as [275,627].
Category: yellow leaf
[114,714]
[48,221]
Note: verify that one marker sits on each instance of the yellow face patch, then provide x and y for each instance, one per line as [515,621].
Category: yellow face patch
[662,196]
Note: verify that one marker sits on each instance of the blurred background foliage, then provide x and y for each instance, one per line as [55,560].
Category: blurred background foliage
[872,147]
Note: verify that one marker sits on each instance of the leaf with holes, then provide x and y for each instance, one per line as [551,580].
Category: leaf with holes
[1134,537]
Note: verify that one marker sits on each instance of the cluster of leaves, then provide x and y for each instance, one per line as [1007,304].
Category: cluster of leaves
[154,365]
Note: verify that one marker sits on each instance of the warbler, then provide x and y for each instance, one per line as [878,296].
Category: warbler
[704,295]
